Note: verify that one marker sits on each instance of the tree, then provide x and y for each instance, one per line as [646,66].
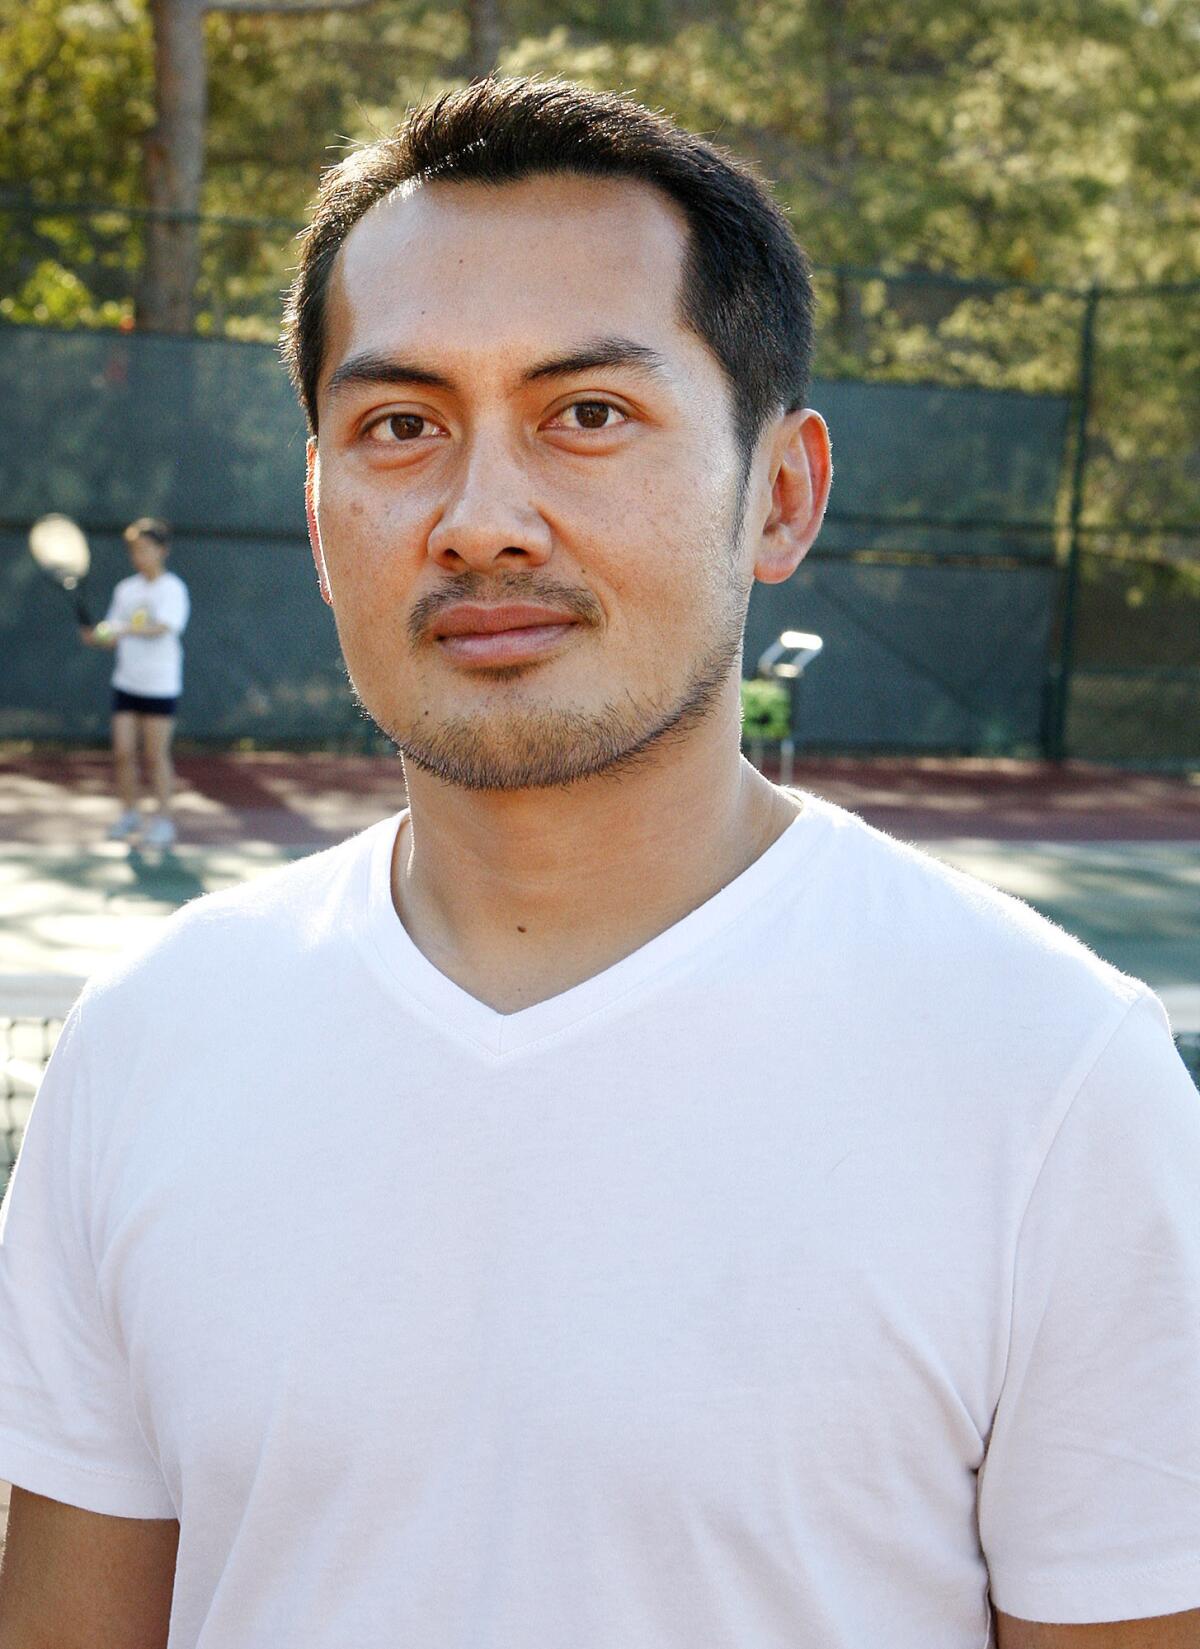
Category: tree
[992,138]
[174,167]
[484,37]
[174,150]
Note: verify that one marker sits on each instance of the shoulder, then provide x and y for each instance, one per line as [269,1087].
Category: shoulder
[229,950]
[953,999]
[945,941]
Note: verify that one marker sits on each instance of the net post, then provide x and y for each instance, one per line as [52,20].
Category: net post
[1060,697]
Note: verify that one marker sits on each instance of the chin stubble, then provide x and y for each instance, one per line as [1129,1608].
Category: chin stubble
[552,748]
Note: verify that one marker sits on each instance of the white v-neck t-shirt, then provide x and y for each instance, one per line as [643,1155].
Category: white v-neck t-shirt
[828,1261]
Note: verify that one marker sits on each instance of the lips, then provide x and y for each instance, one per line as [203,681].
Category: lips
[468,620]
[506,635]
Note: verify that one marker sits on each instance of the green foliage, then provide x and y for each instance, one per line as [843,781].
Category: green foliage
[52,295]
[766,710]
[75,97]
[991,138]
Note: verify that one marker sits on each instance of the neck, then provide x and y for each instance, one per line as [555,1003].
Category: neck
[519,895]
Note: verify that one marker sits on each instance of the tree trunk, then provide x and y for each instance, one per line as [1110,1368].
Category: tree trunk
[174,167]
[484,38]
[841,148]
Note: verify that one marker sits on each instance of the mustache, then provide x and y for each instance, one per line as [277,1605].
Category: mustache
[495,591]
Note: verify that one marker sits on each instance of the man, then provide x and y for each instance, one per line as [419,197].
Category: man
[146,618]
[615,1203]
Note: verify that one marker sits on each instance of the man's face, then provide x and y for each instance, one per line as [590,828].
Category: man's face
[526,494]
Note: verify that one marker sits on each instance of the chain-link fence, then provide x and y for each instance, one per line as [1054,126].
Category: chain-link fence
[79,264]
[1122,536]
[25,1048]
[1011,562]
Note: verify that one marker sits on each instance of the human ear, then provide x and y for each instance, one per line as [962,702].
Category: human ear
[310,510]
[800,469]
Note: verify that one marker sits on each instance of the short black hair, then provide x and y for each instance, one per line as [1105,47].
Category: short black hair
[746,287]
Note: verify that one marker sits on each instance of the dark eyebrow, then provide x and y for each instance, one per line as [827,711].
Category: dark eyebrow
[601,352]
[369,368]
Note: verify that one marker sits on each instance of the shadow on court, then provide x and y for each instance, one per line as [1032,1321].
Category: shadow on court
[1114,857]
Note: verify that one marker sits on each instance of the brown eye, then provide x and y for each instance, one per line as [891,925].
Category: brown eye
[592,414]
[405,426]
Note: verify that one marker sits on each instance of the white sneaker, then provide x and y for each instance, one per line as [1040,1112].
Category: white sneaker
[160,832]
[129,824]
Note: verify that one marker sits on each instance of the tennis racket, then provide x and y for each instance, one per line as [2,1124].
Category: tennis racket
[60,549]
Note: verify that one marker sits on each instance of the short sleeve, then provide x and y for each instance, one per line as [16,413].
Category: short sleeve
[68,1429]
[171,605]
[1089,1496]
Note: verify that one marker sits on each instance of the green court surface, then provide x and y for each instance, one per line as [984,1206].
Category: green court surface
[1136,903]
[1113,858]
[65,912]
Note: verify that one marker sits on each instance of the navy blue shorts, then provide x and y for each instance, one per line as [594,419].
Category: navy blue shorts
[142,704]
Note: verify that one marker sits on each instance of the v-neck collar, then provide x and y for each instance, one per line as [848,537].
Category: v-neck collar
[462,1016]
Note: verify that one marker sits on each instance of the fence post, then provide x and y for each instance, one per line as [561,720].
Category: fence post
[1060,701]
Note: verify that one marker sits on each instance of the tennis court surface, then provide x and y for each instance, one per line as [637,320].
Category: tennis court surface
[1113,856]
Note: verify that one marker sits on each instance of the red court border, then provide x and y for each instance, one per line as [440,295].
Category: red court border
[307,800]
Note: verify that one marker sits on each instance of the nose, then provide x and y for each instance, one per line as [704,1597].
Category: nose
[489,518]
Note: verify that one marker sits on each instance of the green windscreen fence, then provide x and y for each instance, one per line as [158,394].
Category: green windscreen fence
[934,583]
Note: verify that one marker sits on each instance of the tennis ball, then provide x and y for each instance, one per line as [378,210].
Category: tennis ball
[103,631]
